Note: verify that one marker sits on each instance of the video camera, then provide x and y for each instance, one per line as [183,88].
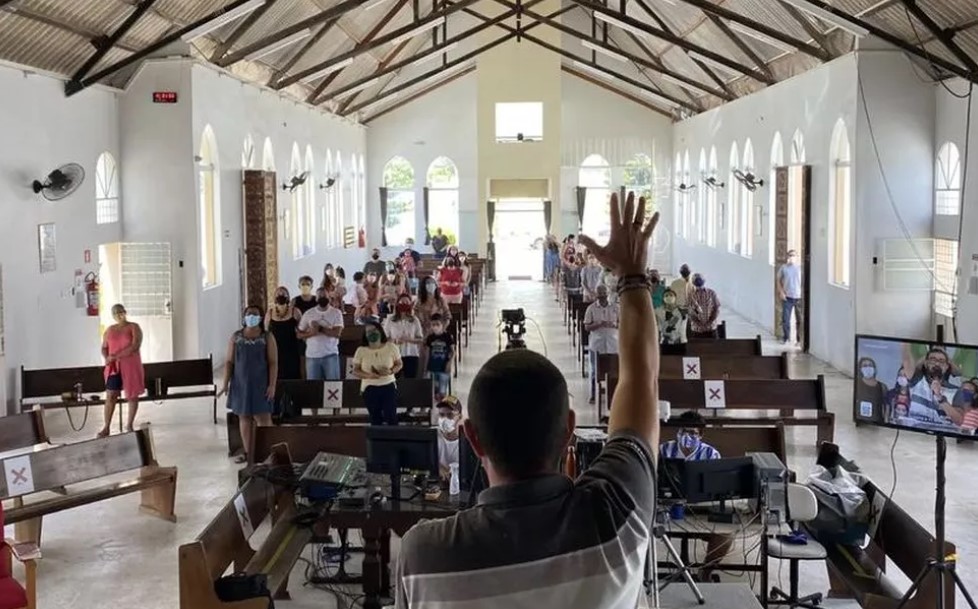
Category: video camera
[513,322]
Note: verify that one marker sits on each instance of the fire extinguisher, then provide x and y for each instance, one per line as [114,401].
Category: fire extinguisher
[91,294]
[362,238]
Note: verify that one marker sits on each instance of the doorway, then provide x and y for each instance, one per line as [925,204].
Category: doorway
[792,231]
[518,232]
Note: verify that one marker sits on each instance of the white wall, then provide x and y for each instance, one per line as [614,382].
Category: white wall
[441,123]
[41,129]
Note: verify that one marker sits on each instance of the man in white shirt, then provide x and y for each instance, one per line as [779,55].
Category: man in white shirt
[601,322]
[321,327]
[682,286]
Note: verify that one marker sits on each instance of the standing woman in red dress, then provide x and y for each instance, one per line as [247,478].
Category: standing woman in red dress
[123,367]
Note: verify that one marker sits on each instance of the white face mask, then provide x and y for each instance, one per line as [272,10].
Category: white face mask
[446,424]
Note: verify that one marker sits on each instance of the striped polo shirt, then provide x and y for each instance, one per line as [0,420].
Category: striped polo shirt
[703,452]
[539,543]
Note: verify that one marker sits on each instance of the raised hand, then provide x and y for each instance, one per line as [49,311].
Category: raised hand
[627,248]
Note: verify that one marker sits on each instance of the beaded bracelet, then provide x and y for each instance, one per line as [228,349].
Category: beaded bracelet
[633,282]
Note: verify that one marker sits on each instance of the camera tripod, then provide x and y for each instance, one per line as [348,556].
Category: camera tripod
[651,579]
[942,566]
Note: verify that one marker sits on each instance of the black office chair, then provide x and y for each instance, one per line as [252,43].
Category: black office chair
[802,507]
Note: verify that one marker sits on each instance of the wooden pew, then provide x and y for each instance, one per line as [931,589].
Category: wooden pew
[788,397]
[224,543]
[898,540]
[59,467]
[350,340]
[45,387]
[23,431]
[305,441]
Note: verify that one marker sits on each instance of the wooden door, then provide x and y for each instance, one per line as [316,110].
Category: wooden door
[792,230]
[261,237]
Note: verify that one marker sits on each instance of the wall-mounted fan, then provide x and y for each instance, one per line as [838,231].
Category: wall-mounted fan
[327,184]
[713,183]
[748,179]
[61,182]
[296,181]
[686,187]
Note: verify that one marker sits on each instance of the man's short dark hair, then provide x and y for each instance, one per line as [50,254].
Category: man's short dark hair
[436,317]
[691,420]
[518,405]
[305,279]
[358,276]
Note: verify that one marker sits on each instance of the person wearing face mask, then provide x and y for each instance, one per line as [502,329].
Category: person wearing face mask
[339,287]
[658,289]
[392,286]
[375,266]
[404,330]
[376,363]
[449,417]
[250,374]
[898,399]
[931,385]
[431,303]
[789,293]
[610,281]
[590,279]
[870,391]
[440,350]
[689,446]
[329,277]
[450,281]
[282,320]
[601,322]
[969,405]
[463,264]
[357,294]
[307,297]
[321,328]
[704,309]
[672,324]
[682,286]
[124,372]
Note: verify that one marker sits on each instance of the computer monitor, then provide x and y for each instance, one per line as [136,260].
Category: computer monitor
[395,450]
[719,480]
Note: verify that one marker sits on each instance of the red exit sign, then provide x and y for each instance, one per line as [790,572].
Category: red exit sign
[164,97]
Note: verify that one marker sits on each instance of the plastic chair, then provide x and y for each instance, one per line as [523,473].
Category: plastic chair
[802,507]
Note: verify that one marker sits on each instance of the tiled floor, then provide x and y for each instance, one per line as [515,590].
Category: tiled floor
[107,555]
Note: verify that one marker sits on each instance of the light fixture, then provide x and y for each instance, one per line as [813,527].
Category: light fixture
[328,70]
[435,55]
[362,86]
[679,83]
[592,70]
[379,102]
[713,63]
[374,5]
[587,44]
[660,98]
[418,30]
[619,23]
[278,46]
[223,20]
[773,42]
[830,18]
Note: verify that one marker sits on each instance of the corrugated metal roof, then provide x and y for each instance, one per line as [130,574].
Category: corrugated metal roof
[56,36]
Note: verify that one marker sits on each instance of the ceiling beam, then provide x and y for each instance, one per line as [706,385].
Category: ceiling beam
[896,41]
[59,24]
[648,65]
[249,21]
[676,40]
[383,65]
[330,14]
[373,33]
[161,43]
[421,93]
[743,46]
[417,56]
[104,44]
[302,52]
[718,11]
[607,87]
[461,59]
[817,35]
[945,36]
[373,44]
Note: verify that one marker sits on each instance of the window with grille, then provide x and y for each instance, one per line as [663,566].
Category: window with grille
[734,232]
[947,199]
[146,279]
[399,181]
[747,204]
[840,213]
[209,206]
[106,190]
[443,196]
[945,276]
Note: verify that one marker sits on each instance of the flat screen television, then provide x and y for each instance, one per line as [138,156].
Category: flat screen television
[916,385]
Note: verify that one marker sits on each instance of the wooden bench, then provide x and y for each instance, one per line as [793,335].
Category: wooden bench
[224,543]
[23,431]
[45,387]
[59,467]
[899,540]
[721,331]
[788,397]
[305,442]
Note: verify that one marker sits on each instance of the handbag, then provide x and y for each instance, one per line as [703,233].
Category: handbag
[241,587]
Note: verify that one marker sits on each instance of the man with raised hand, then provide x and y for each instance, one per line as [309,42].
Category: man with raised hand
[537,539]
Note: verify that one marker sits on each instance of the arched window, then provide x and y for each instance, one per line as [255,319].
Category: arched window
[399,181]
[209,202]
[298,204]
[268,156]
[327,214]
[947,201]
[798,148]
[443,196]
[687,180]
[639,178]
[106,189]
[362,214]
[677,181]
[777,160]
[712,219]
[248,153]
[341,183]
[747,203]
[595,175]
[734,230]
[840,211]
[700,217]
[309,201]
[350,213]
